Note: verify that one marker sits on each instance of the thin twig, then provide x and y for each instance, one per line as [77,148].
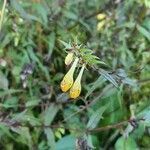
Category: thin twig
[113,126]
[100,129]
[108,127]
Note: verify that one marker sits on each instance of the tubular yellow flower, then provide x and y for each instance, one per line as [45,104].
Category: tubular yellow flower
[76,88]
[67,81]
[101,16]
[100,25]
[69,58]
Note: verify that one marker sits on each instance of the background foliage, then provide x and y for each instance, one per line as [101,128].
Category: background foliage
[113,111]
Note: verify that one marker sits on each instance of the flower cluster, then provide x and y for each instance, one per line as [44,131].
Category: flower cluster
[68,80]
[104,21]
[78,54]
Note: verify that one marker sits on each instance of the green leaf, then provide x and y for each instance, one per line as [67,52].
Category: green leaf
[146,23]
[24,136]
[125,144]
[67,46]
[6,40]
[95,117]
[66,143]
[86,25]
[145,114]
[9,92]
[107,76]
[144,32]
[11,102]
[3,82]
[36,59]
[51,43]
[33,102]
[70,15]
[50,113]
[42,12]
[26,117]
[95,85]
[50,138]
[75,126]
[15,4]
[5,129]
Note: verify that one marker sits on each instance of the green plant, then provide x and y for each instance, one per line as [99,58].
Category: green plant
[112,109]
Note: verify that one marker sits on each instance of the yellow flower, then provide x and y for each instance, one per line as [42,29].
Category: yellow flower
[101,16]
[67,81]
[69,58]
[100,25]
[76,88]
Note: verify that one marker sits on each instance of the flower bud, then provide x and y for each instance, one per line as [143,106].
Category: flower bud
[68,78]
[69,58]
[101,16]
[100,25]
[76,88]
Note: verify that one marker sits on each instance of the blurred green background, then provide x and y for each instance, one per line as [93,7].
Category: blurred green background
[35,114]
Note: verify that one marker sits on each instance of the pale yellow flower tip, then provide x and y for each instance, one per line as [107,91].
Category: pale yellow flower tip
[101,16]
[67,81]
[69,58]
[76,88]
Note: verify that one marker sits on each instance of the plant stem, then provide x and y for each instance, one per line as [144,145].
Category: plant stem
[2,14]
